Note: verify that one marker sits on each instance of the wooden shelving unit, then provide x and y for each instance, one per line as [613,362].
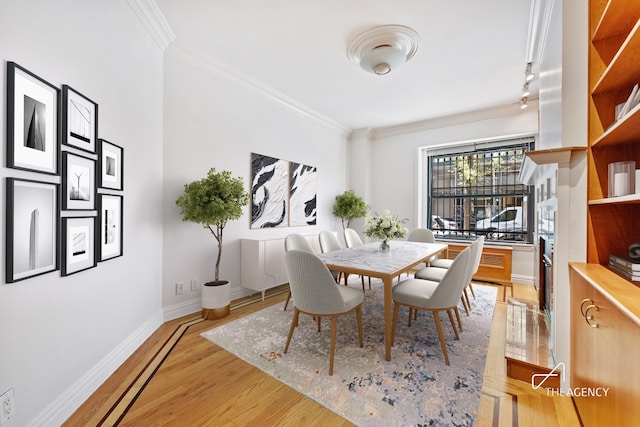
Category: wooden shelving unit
[605,307]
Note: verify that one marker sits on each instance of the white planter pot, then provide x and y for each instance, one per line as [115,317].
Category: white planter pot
[216,300]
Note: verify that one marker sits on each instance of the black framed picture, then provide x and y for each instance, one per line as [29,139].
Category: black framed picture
[78,244]
[110,161]
[78,182]
[32,229]
[79,120]
[110,226]
[32,121]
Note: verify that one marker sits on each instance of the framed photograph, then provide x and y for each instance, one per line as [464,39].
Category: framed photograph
[78,182]
[110,226]
[110,165]
[32,121]
[78,244]
[79,120]
[32,229]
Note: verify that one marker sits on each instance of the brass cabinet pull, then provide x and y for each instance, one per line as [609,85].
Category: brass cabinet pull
[588,318]
[587,300]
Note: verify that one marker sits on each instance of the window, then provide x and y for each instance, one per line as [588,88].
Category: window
[473,189]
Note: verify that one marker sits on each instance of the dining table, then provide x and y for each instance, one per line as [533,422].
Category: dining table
[369,260]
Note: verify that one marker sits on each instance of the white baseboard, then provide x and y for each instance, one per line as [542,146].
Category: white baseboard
[71,399]
[521,279]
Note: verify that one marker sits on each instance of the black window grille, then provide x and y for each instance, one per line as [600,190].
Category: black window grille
[474,190]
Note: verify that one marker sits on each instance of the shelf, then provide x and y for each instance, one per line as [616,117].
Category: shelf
[624,69]
[630,199]
[624,131]
[618,19]
[534,162]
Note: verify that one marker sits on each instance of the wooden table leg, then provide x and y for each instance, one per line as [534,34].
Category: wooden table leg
[388,314]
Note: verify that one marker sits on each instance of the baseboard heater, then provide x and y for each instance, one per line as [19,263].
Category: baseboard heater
[495,263]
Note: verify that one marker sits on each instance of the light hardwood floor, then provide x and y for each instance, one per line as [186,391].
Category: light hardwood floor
[178,378]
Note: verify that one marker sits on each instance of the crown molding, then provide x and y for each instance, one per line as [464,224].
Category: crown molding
[452,120]
[220,69]
[154,21]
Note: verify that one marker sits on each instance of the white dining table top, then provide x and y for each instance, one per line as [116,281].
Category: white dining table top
[369,257]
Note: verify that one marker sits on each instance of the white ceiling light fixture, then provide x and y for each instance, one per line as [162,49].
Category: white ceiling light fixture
[380,50]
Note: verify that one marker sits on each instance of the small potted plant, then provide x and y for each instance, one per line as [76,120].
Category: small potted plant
[349,206]
[212,202]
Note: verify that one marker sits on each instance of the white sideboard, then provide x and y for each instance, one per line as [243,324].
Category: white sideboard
[262,262]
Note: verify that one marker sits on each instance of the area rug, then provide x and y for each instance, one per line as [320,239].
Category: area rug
[415,388]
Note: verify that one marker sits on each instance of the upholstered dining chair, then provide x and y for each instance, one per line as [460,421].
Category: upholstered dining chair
[352,239]
[328,243]
[423,235]
[419,294]
[438,268]
[317,294]
[298,242]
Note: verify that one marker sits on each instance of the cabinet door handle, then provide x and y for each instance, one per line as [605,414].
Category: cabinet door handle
[586,300]
[588,318]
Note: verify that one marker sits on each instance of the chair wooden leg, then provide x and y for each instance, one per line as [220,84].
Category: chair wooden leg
[464,304]
[410,316]
[466,297]
[394,324]
[319,322]
[362,279]
[472,291]
[287,303]
[294,323]
[436,316]
[369,282]
[458,317]
[453,324]
[332,347]
[359,320]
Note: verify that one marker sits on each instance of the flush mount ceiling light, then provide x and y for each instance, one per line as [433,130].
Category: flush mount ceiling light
[380,50]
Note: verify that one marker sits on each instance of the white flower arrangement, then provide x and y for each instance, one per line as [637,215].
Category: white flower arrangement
[385,226]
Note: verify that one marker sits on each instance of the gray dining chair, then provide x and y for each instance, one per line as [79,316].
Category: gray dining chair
[352,239]
[316,293]
[328,243]
[438,268]
[298,242]
[419,294]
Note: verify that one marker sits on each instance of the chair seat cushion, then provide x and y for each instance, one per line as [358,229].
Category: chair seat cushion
[431,273]
[441,263]
[352,297]
[414,292]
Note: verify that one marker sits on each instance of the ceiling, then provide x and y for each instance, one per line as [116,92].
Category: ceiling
[471,54]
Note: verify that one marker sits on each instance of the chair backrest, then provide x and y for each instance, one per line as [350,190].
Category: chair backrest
[298,242]
[329,241]
[312,286]
[351,238]
[457,277]
[421,235]
[478,255]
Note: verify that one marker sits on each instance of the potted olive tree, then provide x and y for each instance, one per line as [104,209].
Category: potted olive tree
[349,206]
[212,202]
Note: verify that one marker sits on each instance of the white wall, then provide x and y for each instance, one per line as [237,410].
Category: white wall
[392,179]
[62,336]
[213,119]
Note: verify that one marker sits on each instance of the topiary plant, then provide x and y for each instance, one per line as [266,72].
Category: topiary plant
[212,202]
[349,206]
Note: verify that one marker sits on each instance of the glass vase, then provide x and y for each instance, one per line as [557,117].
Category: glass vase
[384,246]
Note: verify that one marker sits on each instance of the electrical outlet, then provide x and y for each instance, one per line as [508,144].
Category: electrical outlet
[194,285]
[179,288]
[7,406]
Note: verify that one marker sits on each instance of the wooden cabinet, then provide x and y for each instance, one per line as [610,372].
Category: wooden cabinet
[605,346]
[605,308]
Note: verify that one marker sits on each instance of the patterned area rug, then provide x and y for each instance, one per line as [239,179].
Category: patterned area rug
[415,388]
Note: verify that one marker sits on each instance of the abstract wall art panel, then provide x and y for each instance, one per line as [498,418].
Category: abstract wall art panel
[32,229]
[269,191]
[302,194]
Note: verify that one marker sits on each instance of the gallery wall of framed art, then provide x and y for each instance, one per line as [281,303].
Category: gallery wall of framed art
[69,216]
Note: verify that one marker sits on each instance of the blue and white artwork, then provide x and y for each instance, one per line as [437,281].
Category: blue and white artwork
[302,194]
[269,191]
